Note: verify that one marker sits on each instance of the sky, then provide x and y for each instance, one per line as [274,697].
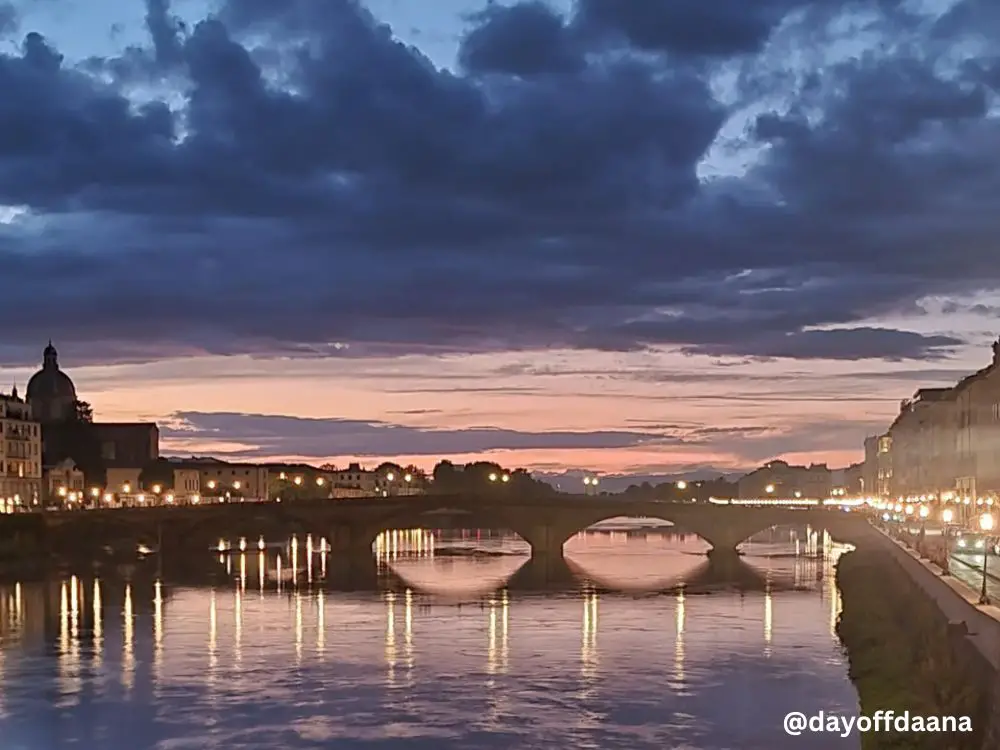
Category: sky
[627,237]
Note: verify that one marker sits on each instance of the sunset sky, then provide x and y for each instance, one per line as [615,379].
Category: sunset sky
[623,236]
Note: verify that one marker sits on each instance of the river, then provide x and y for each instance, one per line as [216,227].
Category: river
[439,656]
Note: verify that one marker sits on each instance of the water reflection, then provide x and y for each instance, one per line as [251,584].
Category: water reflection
[204,666]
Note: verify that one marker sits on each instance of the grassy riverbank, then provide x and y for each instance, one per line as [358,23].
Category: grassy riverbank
[902,657]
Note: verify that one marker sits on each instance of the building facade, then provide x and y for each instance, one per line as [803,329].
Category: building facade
[923,443]
[944,442]
[20,455]
[225,480]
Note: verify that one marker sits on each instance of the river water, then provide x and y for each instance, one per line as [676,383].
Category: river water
[439,655]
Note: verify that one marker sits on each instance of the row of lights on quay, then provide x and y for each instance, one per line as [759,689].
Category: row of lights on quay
[73,496]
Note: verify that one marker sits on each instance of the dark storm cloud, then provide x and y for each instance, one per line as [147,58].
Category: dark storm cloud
[276,435]
[314,180]
[523,39]
[272,435]
[9,20]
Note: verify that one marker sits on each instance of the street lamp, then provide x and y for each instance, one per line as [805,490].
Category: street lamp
[506,478]
[493,477]
[769,489]
[986,524]
[947,515]
[682,485]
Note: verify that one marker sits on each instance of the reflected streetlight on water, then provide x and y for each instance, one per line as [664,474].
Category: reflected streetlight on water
[128,641]
[98,632]
[680,624]
[588,648]
[320,623]
[157,631]
[390,638]
[238,614]
[768,621]
[298,629]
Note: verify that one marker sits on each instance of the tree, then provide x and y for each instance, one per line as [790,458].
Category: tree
[82,412]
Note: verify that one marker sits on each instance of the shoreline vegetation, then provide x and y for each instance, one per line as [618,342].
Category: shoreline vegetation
[903,656]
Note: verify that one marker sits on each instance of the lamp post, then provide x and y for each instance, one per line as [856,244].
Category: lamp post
[947,515]
[986,524]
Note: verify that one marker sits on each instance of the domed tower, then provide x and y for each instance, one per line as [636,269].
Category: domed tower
[51,393]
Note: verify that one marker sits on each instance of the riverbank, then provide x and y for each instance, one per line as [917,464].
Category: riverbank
[903,656]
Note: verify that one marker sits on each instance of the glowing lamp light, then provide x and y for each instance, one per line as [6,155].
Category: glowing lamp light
[390,476]
[986,522]
[211,484]
[95,492]
[237,485]
[320,481]
[407,477]
[924,511]
[62,492]
[948,515]
[506,478]
[298,480]
[156,489]
[108,497]
[493,478]
[169,498]
[769,488]
[682,485]
[909,510]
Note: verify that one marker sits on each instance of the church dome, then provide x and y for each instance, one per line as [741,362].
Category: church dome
[51,392]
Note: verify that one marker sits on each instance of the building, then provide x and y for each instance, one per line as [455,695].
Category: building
[355,481]
[51,392]
[977,430]
[944,443]
[226,480]
[20,454]
[923,443]
[127,443]
[64,484]
[780,479]
[67,433]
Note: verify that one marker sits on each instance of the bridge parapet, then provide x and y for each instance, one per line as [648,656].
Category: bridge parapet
[352,526]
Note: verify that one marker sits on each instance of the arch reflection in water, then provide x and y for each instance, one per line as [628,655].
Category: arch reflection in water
[456,565]
[607,554]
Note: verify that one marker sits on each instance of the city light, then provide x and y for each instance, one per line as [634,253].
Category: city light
[237,485]
[320,481]
[211,484]
[297,480]
[682,485]
[986,522]
[947,515]
[924,511]
[769,489]
[506,478]
[493,477]
[156,489]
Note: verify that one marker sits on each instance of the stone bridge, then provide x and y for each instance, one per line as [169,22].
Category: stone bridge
[351,526]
